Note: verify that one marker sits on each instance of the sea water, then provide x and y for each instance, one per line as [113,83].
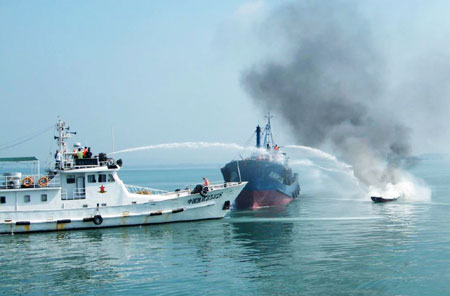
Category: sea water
[331,241]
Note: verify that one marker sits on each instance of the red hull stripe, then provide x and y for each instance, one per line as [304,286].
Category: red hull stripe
[263,198]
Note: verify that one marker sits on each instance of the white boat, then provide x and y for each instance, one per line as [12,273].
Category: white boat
[88,193]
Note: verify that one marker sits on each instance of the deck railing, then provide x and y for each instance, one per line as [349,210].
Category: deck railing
[143,190]
[148,191]
[19,181]
[77,193]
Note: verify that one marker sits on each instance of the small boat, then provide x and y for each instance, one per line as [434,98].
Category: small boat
[271,181]
[86,192]
[378,199]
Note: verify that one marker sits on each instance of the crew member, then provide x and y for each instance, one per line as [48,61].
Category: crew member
[276,147]
[76,146]
[80,153]
[58,159]
[205,182]
[89,153]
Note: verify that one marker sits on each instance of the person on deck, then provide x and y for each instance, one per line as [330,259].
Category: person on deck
[58,159]
[276,147]
[76,146]
[89,153]
[205,182]
[80,153]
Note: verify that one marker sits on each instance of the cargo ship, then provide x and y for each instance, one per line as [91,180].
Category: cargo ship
[271,181]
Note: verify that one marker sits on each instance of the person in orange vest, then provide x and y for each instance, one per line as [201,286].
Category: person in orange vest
[205,182]
[276,147]
[84,152]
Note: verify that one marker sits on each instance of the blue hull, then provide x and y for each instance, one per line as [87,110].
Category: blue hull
[270,183]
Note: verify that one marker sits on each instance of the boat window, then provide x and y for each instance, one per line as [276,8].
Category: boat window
[2,199]
[44,197]
[70,179]
[110,178]
[26,198]
[101,178]
[91,178]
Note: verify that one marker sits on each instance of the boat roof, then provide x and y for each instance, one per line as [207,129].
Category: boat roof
[18,159]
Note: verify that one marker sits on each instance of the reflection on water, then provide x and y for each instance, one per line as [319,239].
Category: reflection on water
[261,240]
[327,242]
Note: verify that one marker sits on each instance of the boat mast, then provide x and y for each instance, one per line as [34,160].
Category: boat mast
[63,134]
[268,138]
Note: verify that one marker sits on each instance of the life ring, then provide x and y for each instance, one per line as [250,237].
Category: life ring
[43,181]
[97,220]
[28,181]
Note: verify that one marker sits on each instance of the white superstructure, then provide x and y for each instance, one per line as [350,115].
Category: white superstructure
[88,193]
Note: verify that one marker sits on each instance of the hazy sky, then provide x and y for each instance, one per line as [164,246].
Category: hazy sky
[155,71]
[170,71]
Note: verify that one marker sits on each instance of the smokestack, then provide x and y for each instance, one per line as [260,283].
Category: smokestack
[258,137]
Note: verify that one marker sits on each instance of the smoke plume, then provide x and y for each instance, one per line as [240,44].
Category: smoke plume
[329,86]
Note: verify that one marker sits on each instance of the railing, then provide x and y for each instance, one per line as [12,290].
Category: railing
[220,185]
[77,193]
[75,163]
[277,157]
[86,162]
[148,191]
[19,181]
[143,190]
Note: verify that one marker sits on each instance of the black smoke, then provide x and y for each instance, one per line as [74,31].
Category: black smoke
[328,86]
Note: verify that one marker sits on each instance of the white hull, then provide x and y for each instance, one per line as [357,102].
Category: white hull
[87,192]
[166,211]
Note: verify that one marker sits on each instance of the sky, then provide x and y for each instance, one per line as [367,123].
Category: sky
[147,72]
[139,73]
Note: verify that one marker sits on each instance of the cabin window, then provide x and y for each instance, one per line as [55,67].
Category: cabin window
[70,179]
[101,178]
[26,198]
[2,199]
[44,197]
[91,178]
[110,178]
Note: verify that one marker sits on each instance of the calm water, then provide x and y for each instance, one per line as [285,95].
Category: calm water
[331,242]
